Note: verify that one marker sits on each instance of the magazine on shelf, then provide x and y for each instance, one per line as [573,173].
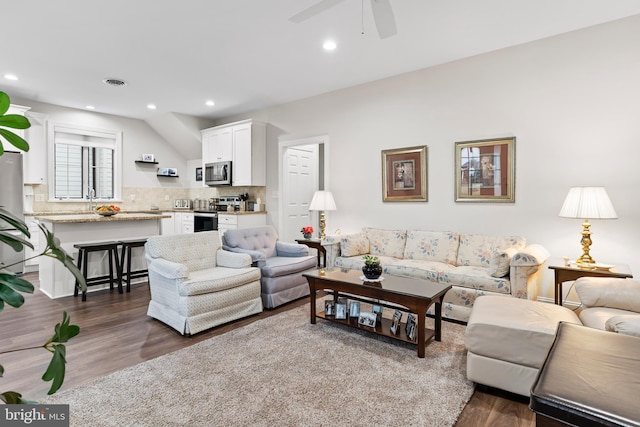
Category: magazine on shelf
[395,324]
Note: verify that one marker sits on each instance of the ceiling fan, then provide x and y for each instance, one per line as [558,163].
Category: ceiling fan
[382,15]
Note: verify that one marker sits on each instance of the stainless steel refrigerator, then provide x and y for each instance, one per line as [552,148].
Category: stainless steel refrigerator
[11,200]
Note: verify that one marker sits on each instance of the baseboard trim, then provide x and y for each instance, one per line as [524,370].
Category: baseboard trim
[569,304]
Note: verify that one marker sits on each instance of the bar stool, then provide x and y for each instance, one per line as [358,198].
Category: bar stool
[127,245]
[83,257]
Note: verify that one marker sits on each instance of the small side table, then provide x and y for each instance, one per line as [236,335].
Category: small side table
[316,244]
[565,273]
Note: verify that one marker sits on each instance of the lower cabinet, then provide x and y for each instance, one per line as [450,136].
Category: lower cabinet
[34,229]
[232,221]
[167,225]
[183,222]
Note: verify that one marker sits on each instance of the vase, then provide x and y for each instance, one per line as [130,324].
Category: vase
[307,235]
[372,271]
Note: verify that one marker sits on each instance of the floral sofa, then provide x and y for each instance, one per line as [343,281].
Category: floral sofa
[473,264]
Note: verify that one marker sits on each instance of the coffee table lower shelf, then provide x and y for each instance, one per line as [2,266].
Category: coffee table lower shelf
[383,328]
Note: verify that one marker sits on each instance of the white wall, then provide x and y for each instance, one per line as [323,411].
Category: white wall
[137,138]
[571,101]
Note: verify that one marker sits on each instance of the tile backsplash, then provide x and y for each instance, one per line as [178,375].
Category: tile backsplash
[137,198]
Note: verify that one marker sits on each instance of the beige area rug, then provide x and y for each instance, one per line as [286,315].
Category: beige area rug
[284,371]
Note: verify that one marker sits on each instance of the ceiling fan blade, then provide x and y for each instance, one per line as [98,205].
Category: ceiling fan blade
[383,17]
[312,11]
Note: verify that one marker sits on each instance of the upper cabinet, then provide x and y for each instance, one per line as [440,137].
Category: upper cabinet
[245,144]
[35,160]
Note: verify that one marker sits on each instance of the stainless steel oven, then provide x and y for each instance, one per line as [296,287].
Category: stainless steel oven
[205,221]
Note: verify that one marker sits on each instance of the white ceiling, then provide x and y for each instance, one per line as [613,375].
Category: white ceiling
[245,54]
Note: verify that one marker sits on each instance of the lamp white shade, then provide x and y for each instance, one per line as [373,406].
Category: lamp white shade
[322,201]
[588,203]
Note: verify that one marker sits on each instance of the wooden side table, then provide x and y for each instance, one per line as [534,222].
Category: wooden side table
[564,273]
[316,244]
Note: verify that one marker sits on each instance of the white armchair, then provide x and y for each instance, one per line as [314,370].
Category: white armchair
[195,285]
[610,304]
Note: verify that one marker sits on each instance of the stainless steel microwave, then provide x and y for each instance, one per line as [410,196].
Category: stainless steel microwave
[218,173]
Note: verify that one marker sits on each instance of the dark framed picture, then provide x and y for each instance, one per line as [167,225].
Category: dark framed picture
[367,318]
[395,324]
[341,310]
[329,308]
[354,309]
[411,322]
[377,309]
[485,170]
[404,174]
[198,174]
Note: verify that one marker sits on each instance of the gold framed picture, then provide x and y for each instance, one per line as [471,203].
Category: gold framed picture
[485,170]
[404,174]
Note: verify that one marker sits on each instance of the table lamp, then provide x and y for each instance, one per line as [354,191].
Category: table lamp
[322,201]
[587,203]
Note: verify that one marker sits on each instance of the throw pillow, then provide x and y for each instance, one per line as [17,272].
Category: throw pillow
[354,245]
[501,262]
[624,324]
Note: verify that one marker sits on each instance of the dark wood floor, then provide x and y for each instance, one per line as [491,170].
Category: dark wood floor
[115,333]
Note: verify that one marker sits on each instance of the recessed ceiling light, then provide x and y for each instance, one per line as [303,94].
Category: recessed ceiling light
[10,77]
[329,45]
[151,106]
[114,82]
[210,103]
[90,107]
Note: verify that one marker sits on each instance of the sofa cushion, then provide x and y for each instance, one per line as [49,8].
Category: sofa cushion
[386,242]
[628,324]
[475,278]
[262,239]
[216,279]
[623,294]
[514,330]
[596,317]
[478,249]
[501,262]
[441,246]
[196,251]
[282,266]
[353,245]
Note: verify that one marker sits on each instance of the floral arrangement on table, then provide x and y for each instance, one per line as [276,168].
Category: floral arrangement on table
[307,231]
[107,210]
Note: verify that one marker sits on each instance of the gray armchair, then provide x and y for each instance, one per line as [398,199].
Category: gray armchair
[281,264]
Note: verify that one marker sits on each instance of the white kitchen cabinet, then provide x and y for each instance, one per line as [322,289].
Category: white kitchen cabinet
[233,221]
[35,160]
[248,142]
[183,222]
[217,145]
[167,226]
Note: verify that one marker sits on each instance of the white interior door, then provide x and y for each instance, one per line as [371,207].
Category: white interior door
[300,180]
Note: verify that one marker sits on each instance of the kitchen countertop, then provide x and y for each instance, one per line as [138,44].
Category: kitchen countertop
[146,212]
[91,217]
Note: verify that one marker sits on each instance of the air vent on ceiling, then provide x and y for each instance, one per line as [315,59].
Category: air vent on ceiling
[114,82]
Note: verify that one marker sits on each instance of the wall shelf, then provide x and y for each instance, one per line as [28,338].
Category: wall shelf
[145,162]
[169,176]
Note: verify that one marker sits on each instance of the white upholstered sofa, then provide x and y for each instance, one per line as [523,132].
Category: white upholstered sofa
[195,285]
[473,264]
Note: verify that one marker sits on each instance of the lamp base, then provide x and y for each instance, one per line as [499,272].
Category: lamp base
[586,244]
[323,224]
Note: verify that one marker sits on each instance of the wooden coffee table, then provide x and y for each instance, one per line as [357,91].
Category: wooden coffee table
[416,295]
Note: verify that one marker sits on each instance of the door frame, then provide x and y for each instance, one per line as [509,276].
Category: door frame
[284,143]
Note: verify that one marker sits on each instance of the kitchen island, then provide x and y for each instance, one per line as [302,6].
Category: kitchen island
[55,280]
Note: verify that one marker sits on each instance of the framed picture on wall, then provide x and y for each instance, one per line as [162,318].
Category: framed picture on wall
[404,174]
[485,170]
[198,174]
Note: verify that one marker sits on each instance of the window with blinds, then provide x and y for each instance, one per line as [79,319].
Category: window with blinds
[84,161]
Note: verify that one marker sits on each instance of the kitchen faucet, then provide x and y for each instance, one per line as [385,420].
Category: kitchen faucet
[91,196]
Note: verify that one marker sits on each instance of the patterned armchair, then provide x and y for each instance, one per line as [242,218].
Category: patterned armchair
[195,285]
